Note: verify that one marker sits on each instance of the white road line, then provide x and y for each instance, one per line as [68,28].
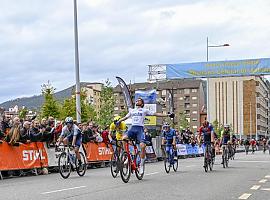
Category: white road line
[267,176]
[245,196]
[191,166]
[266,189]
[151,173]
[252,161]
[54,191]
[255,187]
[263,181]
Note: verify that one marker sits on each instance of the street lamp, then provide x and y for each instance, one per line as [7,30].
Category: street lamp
[222,45]
[78,87]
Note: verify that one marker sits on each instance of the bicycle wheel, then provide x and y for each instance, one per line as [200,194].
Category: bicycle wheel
[114,165]
[226,160]
[137,159]
[167,163]
[175,163]
[205,164]
[81,169]
[125,169]
[64,165]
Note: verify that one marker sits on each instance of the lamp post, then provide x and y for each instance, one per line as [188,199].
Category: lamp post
[207,49]
[78,87]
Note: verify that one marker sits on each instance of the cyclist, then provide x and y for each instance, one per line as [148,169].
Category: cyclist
[247,144]
[253,145]
[264,144]
[136,131]
[117,129]
[207,132]
[71,134]
[226,137]
[169,139]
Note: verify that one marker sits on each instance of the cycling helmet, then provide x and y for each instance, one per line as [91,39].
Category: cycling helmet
[116,119]
[226,126]
[166,124]
[205,123]
[69,120]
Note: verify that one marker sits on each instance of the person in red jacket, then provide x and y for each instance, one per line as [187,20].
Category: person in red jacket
[105,134]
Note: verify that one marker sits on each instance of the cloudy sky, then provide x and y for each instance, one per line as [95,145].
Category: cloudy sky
[121,37]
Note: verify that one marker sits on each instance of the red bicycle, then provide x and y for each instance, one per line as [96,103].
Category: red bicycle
[131,162]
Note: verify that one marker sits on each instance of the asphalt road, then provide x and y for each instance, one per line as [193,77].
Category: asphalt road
[248,177]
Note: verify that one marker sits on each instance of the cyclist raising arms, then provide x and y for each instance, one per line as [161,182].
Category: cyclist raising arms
[71,133]
[136,131]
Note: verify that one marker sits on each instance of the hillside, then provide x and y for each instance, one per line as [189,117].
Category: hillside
[35,102]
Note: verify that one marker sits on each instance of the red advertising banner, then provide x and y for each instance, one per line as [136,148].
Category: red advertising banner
[24,156]
[98,152]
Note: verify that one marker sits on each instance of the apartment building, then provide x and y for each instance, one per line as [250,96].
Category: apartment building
[242,102]
[188,97]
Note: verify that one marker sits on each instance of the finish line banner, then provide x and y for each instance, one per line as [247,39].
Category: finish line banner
[219,69]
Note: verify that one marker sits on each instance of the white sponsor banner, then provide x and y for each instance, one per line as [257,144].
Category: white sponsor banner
[149,149]
[151,107]
[181,149]
[54,153]
[200,150]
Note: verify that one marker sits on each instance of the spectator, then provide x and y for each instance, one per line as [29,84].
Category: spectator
[96,134]
[25,136]
[87,133]
[105,134]
[36,132]
[5,125]
[14,134]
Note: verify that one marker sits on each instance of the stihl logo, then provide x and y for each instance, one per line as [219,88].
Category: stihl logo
[104,151]
[29,155]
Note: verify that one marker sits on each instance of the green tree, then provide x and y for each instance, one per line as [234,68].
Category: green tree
[22,113]
[183,122]
[107,104]
[50,106]
[87,110]
[217,128]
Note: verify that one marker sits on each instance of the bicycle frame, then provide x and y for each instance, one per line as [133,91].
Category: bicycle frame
[130,159]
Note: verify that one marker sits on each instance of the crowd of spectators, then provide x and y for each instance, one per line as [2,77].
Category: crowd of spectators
[15,131]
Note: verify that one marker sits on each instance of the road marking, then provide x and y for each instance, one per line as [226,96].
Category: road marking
[191,166]
[252,161]
[255,187]
[151,174]
[54,191]
[263,181]
[245,196]
[266,189]
[267,176]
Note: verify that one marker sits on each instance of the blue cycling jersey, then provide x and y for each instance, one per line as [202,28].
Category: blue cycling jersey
[169,136]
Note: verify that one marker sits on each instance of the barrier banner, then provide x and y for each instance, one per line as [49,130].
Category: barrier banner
[54,153]
[200,150]
[189,149]
[98,152]
[181,150]
[150,153]
[24,156]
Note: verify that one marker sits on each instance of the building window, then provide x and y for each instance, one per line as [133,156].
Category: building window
[194,119]
[122,107]
[194,98]
[163,92]
[193,90]
[195,112]
[194,127]
[181,98]
[186,91]
[116,108]
[181,91]
[194,105]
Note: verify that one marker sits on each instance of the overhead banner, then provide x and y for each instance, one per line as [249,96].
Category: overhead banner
[219,69]
[149,96]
